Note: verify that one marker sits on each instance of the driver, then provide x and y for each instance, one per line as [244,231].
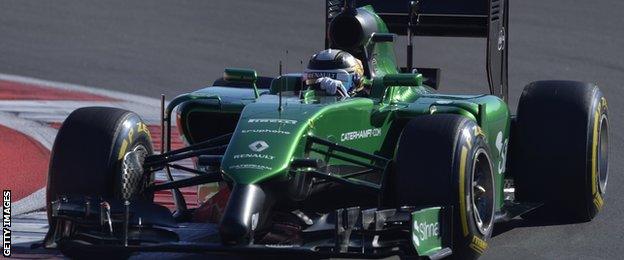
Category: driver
[336,72]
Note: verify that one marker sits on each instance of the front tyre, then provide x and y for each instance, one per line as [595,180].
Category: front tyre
[88,153]
[443,160]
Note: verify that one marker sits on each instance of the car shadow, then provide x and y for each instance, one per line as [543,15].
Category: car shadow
[502,227]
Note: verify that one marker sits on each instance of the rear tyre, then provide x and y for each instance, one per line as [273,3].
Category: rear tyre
[562,158]
[443,160]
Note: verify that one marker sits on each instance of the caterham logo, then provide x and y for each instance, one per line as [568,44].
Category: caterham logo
[361,134]
[258,146]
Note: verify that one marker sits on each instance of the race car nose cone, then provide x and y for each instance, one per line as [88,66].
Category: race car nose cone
[242,214]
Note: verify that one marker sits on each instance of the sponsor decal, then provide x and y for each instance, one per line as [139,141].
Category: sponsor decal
[6,223]
[254,155]
[321,74]
[258,146]
[361,134]
[264,131]
[272,120]
[422,231]
[502,152]
[250,166]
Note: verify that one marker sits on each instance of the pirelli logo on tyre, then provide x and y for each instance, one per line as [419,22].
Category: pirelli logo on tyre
[140,128]
[478,245]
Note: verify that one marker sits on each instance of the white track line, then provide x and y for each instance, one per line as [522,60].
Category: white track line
[41,133]
[74,87]
[58,110]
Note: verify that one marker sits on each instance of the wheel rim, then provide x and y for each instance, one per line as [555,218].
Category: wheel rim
[141,150]
[603,153]
[133,183]
[482,192]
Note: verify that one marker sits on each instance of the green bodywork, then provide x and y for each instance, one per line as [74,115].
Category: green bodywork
[426,231]
[366,124]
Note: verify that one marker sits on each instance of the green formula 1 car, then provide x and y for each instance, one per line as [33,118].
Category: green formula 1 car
[389,167]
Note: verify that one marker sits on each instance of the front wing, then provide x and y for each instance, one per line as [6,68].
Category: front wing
[347,233]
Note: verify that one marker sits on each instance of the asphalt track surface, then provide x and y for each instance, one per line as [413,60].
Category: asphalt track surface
[153,47]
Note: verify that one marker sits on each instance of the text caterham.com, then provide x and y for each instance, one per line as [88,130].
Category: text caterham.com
[6,223]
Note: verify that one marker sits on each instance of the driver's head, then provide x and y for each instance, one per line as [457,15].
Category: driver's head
[337,65]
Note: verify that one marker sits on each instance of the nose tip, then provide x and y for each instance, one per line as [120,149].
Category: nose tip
[241,214]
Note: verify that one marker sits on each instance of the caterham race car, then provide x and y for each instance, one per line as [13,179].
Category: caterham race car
[389,167]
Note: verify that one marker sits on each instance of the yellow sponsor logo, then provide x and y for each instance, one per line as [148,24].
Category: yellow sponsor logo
[140,128]
[598,201]
[603,103]
[478,245]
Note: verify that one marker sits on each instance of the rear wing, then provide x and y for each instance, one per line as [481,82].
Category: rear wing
[448,18]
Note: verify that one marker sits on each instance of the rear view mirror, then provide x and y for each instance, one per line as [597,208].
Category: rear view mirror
[431,76]
[240,75]
[402,79]
[383,37]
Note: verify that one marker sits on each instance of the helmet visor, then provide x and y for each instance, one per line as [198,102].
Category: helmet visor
[310,78]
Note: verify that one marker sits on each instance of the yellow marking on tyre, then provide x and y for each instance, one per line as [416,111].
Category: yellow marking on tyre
[478,244]
[141,127]
[462,188]
[594,157]
[122,150]
[130,133]
[476,249]
[598,201]
[479,131]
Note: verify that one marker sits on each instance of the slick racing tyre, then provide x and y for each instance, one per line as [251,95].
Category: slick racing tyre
[443,160]
[562,142]
[89,151]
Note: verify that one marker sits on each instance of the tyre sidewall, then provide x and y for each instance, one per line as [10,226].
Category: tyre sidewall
[468,241]
[132,133]
[595,194]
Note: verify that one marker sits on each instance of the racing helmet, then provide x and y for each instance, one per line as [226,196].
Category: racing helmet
[335,64]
